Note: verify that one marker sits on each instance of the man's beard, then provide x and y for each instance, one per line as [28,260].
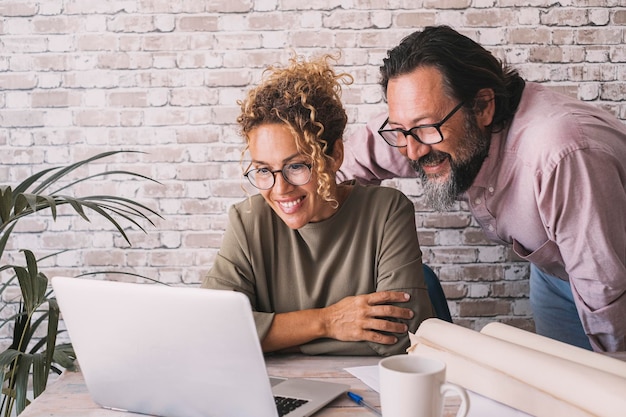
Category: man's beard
[470,154]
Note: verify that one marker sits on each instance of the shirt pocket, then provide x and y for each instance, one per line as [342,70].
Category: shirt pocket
[547,258]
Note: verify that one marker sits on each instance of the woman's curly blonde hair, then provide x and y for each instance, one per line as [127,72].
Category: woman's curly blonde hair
[306,97]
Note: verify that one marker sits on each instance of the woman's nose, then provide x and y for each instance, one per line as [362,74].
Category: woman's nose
[280,184]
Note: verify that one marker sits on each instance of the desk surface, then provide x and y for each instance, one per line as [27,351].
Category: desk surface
[68,395]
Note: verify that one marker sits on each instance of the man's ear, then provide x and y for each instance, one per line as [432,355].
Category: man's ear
[485,106]
[337,155]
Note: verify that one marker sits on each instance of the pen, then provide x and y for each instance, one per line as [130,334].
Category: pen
[359,400]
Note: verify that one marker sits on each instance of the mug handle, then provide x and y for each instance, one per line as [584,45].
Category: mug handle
[450,387]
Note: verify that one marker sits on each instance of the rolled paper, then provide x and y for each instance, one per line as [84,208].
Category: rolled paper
[527,378]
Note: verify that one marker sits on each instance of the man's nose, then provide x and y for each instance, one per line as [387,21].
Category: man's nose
[415,149]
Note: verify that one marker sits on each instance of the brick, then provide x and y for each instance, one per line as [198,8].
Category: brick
[123,60]
[447,4]
[231,6]
[600,36]
[165,42]
[131,23]
[619,17]
[192,172]
[509,289]
[193,97]
[239,41]
[484,308]
[447,220]
[164,60]
[197,23]
[56,24]
[22,118]
[613,91]
[18,8]
[203,240]
[530,36]
[96,118]
[128,99]
[490,18]
[556,54]
[9,81]
[23,44]
[565,17]
[412,19]
[96,42]
[55,99]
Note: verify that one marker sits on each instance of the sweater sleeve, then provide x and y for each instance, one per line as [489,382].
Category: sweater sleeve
[233,270]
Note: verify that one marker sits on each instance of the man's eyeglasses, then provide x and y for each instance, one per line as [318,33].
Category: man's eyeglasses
[294,174]
[428,134]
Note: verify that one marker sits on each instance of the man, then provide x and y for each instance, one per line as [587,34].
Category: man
[540,171]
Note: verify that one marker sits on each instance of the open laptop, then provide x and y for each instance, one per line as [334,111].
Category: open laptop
[175,351]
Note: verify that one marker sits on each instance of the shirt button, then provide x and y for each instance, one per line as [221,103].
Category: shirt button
[491,228]
[478,201]
[491,190]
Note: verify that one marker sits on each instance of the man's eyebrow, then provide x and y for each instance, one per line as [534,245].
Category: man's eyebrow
[413,122]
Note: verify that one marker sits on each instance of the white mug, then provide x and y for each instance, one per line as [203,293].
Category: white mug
[414,386]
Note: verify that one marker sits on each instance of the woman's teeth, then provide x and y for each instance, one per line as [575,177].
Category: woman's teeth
[290,204]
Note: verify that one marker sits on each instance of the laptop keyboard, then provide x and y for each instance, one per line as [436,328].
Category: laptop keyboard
[286,405]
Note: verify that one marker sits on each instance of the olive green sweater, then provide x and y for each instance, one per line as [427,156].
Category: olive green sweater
[369,245]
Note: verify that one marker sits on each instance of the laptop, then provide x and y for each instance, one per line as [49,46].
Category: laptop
[176,352]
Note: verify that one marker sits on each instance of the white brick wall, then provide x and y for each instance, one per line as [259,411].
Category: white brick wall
[78,77]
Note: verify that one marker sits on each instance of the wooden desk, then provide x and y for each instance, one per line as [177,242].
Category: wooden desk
[68,395]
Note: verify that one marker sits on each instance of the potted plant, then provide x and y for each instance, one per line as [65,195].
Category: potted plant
[30,358]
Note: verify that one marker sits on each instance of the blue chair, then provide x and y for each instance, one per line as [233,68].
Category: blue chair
[436,294]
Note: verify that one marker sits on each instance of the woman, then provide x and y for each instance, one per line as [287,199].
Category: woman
[329,268]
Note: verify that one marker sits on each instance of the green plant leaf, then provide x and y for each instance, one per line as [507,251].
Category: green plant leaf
[40,374]
[4,239]
[65,356]
[64,171]
[105,173]
[26,287]
[7,357]
[23,366]
[6,202]
[54,314]
[34,203]
[28,182]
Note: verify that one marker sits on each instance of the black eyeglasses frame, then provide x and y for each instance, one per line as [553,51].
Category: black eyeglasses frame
[410,132]
[276,171]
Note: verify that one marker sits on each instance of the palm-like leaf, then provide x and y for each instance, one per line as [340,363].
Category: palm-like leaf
[27,356]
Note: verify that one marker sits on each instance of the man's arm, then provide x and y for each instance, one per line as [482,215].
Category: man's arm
[585,205]
[368,158]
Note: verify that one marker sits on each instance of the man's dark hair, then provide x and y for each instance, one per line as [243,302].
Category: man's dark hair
[465,65]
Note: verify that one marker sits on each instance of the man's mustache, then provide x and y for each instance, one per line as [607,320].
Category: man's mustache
[431,158]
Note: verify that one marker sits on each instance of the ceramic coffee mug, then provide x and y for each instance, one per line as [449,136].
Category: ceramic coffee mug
[414,386]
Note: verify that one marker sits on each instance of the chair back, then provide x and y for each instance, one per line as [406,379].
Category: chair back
[436,294]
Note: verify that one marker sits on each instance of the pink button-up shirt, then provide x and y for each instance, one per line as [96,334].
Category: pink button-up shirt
[553,187]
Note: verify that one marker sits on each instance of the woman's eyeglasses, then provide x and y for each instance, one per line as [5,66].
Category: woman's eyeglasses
[294,174]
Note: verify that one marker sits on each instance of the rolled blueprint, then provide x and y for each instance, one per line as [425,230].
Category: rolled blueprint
[529,379]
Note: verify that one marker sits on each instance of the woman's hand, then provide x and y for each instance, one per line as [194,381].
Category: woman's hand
[366,317]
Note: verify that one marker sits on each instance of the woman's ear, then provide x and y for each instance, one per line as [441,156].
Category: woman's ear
[337,155]
[485,106]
